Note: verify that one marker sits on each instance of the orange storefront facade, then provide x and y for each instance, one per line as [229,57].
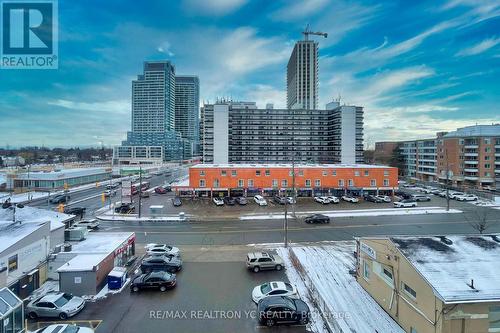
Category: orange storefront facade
[272,179]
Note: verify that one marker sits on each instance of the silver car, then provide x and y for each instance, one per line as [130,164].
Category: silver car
[59,305]
[257,261]
[64,328]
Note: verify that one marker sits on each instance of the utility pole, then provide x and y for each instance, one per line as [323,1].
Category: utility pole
[447,180]
[285,227]
[140,189]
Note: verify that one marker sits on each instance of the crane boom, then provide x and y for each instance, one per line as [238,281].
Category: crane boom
[308,32]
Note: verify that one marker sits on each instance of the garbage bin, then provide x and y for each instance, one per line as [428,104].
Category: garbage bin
[117,277]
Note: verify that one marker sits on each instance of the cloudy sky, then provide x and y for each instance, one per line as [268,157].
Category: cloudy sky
[417,67]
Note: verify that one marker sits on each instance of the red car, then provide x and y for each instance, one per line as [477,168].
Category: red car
[160,190]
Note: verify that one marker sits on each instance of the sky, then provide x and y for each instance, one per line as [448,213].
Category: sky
[417,67]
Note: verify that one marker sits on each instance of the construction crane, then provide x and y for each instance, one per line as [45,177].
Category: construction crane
[308,32]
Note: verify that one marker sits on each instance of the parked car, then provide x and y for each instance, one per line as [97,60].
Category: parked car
[230,201]
[64,328]
[125,208]
[59,305]
[145,194]
[176,201]
[405,203]
[274,288]
[112,186]
[384,198]
[322,200]
[218,201]
[259,200]
[373,198]
[257,261]
[59,198]
[160,190]
[454,195]
[436,191]
[317,218]
[333,199]
[154,280]
[241,200]
[442,194]
[421,197]
[350,198]
[169,264]
[75,210]
[91,224]
[291,200]
[279,200]
[109,193]
[466,197]
[282,310]
[162,249]
[402,194]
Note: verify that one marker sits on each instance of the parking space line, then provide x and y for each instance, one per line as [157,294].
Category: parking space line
[86,323]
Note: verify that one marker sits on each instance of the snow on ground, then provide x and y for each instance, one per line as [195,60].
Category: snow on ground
[33,214]
[357,212]
[22,197]
[346,305]
[47,287]
[105,291]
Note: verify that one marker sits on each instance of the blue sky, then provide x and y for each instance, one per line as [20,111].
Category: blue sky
[417,67]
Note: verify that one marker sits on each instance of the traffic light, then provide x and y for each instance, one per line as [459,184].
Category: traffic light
[103,198]
[60,208]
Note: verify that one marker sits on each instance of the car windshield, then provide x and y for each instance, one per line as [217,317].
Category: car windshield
[71,329]
[289,303]
[288,287]
[61,301]
[265,288]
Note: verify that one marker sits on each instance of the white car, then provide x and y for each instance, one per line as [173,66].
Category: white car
[322,200]
[274,288]
[405,204]
[384,198]
[218,201]
[64,328]
[454,195]
[466,197]
[109,193]
[259,200]
[350,198]
[162,250]
[333,199]
[290,200]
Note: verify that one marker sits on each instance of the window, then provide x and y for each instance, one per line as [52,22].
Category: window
[386,172]
[413,330]
[233,173]
[341,182]
[373,182]
[301,173]
[487,157]
[350,183]
[366,270]
[487,166]
[487,174]
[367,173]
[334,172]
[494,319]
[284,183]
[223,173]
[202,172]
[356,173]
[241,183]
[386,182]
[487,149]
[308,183]
[461,141]
[317,183]
[387,273]
[216,183]
[487,141]
[275,183]
[257,173]
[408,290]
[268,172]
[250,183]
[202,183]
[325,173]
[13,263]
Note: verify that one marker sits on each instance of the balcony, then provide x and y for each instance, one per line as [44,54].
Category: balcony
[470,169]
[473,154]
[471,146]
[471,177]
[473,162]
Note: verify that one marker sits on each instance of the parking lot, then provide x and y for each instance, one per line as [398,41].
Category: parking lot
[213,294]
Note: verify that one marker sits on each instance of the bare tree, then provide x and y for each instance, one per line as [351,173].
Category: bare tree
[482,219]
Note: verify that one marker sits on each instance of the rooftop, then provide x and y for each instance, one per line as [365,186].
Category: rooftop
[101,242]
[449,264]
[31,214]
[476,130]
[63,174]
[289,165]
[11,233]
[83,262]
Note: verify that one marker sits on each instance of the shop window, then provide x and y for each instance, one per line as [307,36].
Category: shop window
[202,183]
[308,183]
[366,270]
[494,319]
[13,263]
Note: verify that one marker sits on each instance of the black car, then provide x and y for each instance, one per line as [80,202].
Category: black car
[75,211]
[372,198]
[282,310]
[169,264]
[59,199]
[279,200]
[402,194]
[317,218]
[241,200]
[154,280]
[125,208]
[229,201]
[176,202]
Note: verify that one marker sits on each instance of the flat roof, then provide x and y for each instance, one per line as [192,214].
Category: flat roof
[30,214]
[476,130]
[63,174]
[289,165]
[100,242]
[82,263]
[450,265]
[11,233]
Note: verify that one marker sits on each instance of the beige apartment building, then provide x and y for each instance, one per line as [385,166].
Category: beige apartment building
[443,284]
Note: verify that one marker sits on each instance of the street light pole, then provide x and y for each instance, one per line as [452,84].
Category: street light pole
[140,189]
[447,180]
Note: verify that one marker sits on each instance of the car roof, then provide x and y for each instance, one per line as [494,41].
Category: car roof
[50,297]
[277,285]
[56,328]
[275,300]
[259,255]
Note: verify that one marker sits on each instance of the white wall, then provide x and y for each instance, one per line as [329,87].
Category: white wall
[348,135]
[221,134]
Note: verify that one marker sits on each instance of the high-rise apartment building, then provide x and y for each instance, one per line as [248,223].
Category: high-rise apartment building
[187,104]
[302,76]
[239,132]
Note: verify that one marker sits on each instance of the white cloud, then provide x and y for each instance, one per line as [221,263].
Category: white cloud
[480,47]
[165,48]
[116,107]
[264,94]
[298,9]
[213,7]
